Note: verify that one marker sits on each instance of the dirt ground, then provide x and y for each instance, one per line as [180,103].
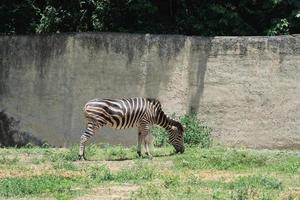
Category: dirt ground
[111,192]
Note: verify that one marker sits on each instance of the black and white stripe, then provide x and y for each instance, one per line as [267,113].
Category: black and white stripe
[127,113]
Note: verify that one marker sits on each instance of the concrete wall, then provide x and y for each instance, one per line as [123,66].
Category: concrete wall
[246,88]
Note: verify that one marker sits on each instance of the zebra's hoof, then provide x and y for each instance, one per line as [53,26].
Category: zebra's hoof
[150,157]
[139,153]
[81,157]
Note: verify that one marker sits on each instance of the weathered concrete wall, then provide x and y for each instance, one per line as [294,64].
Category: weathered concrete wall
[245,88]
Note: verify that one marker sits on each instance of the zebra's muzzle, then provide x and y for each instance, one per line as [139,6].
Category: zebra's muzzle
[180,150]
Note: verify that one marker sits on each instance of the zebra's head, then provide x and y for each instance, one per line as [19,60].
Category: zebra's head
[176,136]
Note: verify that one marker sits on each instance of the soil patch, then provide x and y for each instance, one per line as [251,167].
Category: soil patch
[225,176]
[111,192]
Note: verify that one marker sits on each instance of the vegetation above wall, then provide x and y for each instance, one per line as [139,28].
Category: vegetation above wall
[189,17]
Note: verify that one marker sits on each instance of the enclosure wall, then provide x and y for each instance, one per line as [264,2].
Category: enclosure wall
[246,88]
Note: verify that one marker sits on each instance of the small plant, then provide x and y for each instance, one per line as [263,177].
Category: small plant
[100,174]
[136,173]
[38,161]
[151,191]
[8,161]
[195,132]
[116,152]
[170,180]
[240,194]
[70,154]
[65,165]
[160,136]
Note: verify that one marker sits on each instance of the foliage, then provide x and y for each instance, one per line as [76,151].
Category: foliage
[160,136]
[279,27]
[209,18]
[195,133]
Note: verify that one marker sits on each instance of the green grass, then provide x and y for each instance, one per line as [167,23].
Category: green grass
[8,161]
[232,159]
[15,186]
[199,173]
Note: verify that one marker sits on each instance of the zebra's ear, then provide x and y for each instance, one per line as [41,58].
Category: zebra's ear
[184,128]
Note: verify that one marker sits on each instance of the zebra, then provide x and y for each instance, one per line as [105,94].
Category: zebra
[127,113]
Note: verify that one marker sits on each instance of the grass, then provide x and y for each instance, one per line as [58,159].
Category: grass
[18,186]
[199,173]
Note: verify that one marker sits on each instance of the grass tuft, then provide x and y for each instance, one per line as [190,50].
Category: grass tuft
[137,173]
[4,160]
[18,186]
[220,158]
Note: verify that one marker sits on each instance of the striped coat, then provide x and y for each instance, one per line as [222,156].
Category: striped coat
[127,113]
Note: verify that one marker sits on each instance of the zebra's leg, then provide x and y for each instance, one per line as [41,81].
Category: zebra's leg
[139,146]
[88,133]
[143,137]
[147,143]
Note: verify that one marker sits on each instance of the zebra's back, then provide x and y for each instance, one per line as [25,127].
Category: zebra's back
[119,113]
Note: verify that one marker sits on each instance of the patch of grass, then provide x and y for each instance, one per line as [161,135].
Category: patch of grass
[256,182]
[4,160]
[251,187]
[70,154]
[219,158]
[150,191]
[66,165]
[117,152]
[238,159]
[255,187]
[235,173]
[97,152]
[165,151]
[133,174]
[15,186]
[100,174]
[170,180]
[137,173]
[286,162]
[33,150]
[38,161]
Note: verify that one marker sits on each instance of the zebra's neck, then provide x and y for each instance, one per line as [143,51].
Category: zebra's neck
[164,121]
